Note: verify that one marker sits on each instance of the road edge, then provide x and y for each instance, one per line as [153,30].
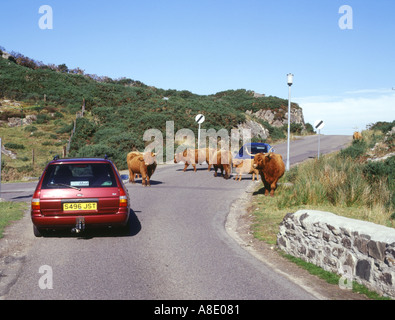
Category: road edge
[14,246]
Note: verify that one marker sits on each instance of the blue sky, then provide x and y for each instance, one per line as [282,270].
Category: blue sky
[344,77]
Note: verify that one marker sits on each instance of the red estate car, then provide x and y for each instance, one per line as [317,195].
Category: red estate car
[74,193]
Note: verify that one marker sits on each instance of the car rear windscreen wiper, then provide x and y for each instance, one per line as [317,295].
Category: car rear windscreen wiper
[64,185]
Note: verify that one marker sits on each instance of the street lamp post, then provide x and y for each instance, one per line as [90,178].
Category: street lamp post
[290,78]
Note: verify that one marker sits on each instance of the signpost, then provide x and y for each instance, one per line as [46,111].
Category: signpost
[319,124]
[199,119]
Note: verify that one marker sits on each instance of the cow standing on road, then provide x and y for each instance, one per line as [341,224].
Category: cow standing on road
[141,163]
[223,160]
[271,168]
[194,156]
[245,166]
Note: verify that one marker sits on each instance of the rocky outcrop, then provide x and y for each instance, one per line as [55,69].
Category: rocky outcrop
[277,118]
[8,153]
[360,251]
[15,122]
[257,130]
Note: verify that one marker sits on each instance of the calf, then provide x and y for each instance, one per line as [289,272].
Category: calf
[245,166]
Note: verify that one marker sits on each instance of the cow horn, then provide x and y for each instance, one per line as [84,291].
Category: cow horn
[249,153]
[270,149]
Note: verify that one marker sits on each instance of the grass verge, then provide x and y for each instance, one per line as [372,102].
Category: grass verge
[10,211]
[332,278]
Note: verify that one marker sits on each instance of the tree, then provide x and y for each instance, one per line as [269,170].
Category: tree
[63,68]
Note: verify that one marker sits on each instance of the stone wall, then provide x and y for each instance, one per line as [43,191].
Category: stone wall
[342,245]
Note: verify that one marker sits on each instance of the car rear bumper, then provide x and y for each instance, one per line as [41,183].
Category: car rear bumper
[69,221]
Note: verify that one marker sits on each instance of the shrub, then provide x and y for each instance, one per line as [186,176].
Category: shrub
[84,132]
[309,128]
[100,151]
[356,150]
[383,126]
[73,108]
[378,171]
[15,146]
[66,128]
[58,114]
[30,129]
[296,128]
[42,118]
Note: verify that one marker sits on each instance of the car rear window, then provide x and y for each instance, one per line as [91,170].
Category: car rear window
[253,150]
[82,175]
[258,149]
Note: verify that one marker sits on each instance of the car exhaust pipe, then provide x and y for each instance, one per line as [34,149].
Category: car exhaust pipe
[79,225]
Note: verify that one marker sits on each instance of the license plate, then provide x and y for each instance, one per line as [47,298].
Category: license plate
[84,206]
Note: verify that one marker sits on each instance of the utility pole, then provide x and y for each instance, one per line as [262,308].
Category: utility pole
[290,77]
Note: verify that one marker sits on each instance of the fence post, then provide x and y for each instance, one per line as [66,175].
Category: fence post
[83,106]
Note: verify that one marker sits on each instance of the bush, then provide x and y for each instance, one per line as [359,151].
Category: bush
[296,128]
[309,128]
[73,108]
[100,151]
[95,151]
[83,134]
[30,129]
[66,128]
[383,126]
[14,146]
[42,118]
[378,171]
[276,133]
[356,150]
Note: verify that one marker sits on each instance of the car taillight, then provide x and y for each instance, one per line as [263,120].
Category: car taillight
[36,200]
[123,199]
[35,204]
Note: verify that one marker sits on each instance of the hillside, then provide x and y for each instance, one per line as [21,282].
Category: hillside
[118,112]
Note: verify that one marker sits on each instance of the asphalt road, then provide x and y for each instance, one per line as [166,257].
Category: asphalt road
[177,247]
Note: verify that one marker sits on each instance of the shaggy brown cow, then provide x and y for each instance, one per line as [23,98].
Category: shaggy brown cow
[141,163]
[194,156]
[245,166]
[271,168]
[357,136]
[223,161]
